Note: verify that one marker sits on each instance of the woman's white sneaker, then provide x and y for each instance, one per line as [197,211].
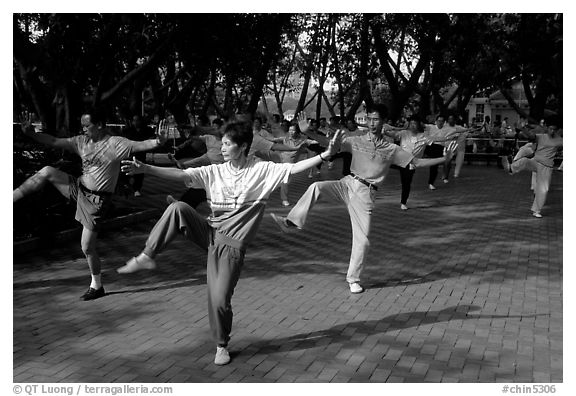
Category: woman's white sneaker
[355,288]
[222,356]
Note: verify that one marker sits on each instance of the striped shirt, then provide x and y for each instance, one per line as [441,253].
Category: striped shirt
[372,156]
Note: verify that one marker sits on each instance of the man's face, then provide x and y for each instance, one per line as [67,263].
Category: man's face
[451,120]
[440,122]
[313,125]
[323,123]
[87,127]
[552,130]
[374,122]
[257,125]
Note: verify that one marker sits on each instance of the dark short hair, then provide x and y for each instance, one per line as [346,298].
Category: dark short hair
[322,118]
[240,133]
[97,117]
[217,121]
[379,108]
[295,124]
[440,116]
[418,121]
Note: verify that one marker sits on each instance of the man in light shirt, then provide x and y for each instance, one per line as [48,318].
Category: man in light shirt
[372,156]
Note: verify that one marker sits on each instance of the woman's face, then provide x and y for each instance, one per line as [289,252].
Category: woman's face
[292,132]
[230,150]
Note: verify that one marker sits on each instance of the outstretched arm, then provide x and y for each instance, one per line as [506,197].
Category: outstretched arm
[135,167]
[159,140]
[427,162]
[43,138]
[333,147]
[303,125]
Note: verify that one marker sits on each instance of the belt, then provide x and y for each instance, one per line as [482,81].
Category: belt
[99,193]
[366,183]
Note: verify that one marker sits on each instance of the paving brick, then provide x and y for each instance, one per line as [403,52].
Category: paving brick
[486,309]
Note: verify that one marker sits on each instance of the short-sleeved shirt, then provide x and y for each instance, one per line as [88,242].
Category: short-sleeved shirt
[265,134]
[546,149]
[372,156]
[414,144]
[432,131]
[101,160]
[260,144]
[213,148]
[298,143]
[238,197]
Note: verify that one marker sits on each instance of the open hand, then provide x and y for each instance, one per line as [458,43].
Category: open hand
[302,121]
[132,167]
[26,124]
[450,149]
[335,142]
[162,131]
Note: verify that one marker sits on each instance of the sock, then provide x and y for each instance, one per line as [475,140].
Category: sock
[96,281]
[17,194]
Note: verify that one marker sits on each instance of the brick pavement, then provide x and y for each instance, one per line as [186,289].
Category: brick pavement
[466,286]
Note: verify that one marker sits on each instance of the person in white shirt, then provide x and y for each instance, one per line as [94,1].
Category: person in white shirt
[237,191]
[541,164]
[437,134]
[413,141]
[458,133]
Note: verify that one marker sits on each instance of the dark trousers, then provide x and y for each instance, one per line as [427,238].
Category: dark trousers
[406,175]
[433,151]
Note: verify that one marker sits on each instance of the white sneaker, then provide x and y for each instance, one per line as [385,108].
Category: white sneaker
[137,264]
[431,187]
[285,203]
[222,356]
[137,194]
[403,207]
[536,214]
[355,288]
[445,181]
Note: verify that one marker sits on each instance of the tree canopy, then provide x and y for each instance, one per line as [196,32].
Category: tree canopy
[223,64]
